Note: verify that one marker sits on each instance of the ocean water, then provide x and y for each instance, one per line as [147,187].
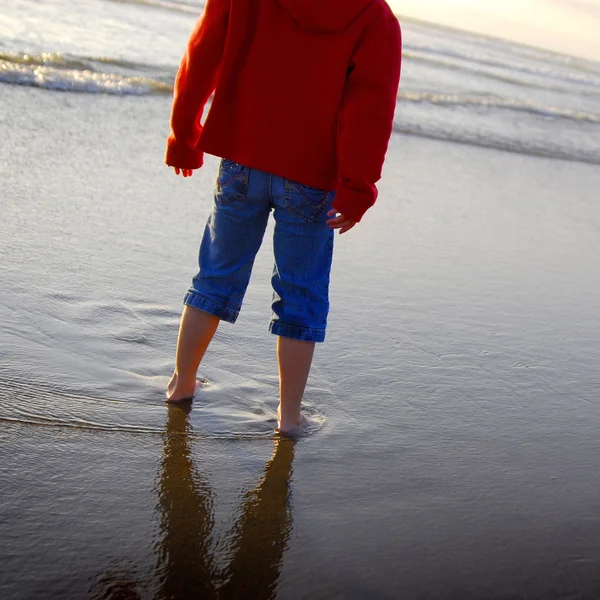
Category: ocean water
[456,401]
[455,86]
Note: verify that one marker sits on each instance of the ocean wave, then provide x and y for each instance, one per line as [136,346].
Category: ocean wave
[68,61]
[63,72]
[503,76]
[188,7]
[570,71]
[486,120]
[527,145]
[494,102]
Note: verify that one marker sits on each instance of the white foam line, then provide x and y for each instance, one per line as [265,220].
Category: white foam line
[166,5]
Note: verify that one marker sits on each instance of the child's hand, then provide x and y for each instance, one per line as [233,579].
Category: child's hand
[184,172]
[340,221]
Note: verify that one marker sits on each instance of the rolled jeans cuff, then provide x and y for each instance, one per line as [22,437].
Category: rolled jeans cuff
[225,313]
[305,334]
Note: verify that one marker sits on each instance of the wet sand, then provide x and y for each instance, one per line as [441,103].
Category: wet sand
[458,389]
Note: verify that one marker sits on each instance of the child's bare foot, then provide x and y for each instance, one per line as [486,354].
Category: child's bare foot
[179,391]
[289,426]
[294,431]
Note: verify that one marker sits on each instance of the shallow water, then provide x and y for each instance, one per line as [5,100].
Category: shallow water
[457,391]
[456,401]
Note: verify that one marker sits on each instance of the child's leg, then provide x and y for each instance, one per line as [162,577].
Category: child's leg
[195,333]
[232,237]
[295,358]
[303,248]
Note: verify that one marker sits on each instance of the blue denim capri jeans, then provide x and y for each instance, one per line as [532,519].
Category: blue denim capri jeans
[302,246]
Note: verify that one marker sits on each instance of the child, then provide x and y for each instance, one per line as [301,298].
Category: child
[303,107]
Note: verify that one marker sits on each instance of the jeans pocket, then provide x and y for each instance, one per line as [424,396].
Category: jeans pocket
[232,182]
[305,201]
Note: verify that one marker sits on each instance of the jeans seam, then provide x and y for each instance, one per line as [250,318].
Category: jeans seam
[243,176]
[320,207]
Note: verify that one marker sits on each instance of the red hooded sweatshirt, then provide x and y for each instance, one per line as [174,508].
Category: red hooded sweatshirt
[304,89]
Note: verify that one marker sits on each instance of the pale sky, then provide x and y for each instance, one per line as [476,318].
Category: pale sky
[569,26]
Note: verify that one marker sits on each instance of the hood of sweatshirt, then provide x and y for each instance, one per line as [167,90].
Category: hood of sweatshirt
[324,16]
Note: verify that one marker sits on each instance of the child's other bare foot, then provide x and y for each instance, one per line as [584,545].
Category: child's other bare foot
[179,391]
[290,426]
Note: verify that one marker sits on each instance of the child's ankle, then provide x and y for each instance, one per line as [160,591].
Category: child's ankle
[287,422]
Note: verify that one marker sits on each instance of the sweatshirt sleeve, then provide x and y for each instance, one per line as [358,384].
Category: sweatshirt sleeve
[367,116]
[195,82]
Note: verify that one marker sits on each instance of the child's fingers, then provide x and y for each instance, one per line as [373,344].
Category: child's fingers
[347,227]
[184,172]
[341,223]
[336,222]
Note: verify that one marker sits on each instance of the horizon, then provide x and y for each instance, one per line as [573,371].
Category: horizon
[565,26]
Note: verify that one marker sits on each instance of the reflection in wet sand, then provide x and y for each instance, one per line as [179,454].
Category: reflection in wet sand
[186,515]
[258,539]
[186,564]
[260,536]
